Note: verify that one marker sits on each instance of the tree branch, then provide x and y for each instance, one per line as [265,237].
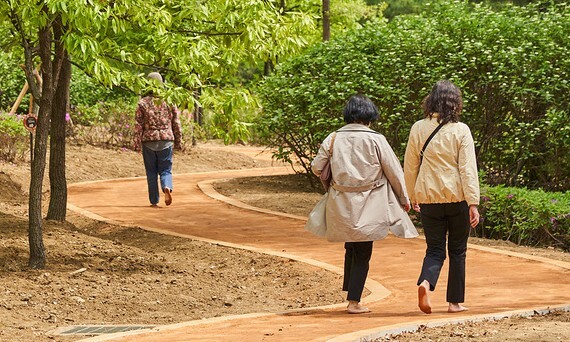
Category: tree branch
[28,57]
[209,34]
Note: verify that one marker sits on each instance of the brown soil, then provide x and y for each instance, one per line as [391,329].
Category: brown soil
[99,273]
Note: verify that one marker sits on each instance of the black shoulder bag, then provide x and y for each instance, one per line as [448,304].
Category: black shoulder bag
[428,140]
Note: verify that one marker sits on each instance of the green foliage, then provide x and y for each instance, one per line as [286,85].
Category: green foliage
[401,7]
[526,217]
[512,66]
[11,83]
[347,16]
[85,91]
[232,122]
[192,43]
[230,115]
[14,141]
[109,124]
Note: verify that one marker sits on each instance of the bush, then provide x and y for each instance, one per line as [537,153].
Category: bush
[14,138]
[526,217]
[112,124]
[105,124]
[512,65]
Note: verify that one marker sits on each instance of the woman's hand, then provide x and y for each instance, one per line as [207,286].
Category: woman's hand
[406,206]
[473,215]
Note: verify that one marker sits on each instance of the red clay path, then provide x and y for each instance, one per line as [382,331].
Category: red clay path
[498,283]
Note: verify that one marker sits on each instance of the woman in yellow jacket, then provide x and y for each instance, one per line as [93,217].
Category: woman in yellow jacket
[443,186]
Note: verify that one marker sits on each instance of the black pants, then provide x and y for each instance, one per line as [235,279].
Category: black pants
[449,220]
[356,264]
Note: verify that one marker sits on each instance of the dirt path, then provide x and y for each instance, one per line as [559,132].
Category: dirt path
[501,282]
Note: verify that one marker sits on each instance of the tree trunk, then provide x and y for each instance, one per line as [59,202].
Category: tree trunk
[37,249]
[198,112]
[58,184]
[35,237]
[268,68]
[326,20]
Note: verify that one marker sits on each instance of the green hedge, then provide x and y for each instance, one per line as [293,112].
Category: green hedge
[512,65]
[525,217]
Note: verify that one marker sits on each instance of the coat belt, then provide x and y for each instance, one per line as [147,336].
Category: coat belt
[362,188]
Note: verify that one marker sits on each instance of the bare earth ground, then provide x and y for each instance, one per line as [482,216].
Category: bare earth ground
[103,274]
[125,275]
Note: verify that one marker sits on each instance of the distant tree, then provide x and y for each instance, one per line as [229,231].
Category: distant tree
[326,20]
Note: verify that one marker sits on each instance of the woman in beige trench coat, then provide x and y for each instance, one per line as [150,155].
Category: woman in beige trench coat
[367,198]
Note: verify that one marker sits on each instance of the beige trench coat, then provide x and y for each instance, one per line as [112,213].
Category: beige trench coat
[368,191]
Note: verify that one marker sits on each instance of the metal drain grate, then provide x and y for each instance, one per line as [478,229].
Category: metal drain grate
[101,329]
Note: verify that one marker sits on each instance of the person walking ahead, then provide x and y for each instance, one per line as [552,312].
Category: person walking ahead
[157,132]
[367,197]
[444,187]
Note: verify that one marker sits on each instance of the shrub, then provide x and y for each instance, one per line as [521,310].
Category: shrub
[108,124]
[112,124]
[14,138]
[526,217]
[512,65]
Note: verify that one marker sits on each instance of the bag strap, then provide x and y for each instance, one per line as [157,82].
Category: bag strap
[428,140]
[332,144]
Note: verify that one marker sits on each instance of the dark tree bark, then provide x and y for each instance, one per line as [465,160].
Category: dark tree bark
[58,184]
[50,71]
[326,20]
[35,237]
[268,68]
[198,112]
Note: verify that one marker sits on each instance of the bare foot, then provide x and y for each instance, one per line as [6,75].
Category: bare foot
[423,298]
[167,196]
[154,205]
[354,307]
[456,307]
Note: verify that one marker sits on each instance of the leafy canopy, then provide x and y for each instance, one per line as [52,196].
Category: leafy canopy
[191,42]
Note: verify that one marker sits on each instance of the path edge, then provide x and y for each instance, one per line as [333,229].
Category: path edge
[384,332]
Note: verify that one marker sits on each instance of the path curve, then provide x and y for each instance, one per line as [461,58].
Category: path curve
[499,283]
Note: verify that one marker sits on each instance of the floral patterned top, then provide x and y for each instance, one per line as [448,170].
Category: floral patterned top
[157,123]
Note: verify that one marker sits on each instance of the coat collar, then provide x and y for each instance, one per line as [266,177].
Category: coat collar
[355,127]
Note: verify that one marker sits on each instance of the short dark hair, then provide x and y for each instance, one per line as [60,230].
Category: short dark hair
[444,99]
[360,109]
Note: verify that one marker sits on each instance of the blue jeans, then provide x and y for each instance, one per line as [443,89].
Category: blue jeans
[157,163]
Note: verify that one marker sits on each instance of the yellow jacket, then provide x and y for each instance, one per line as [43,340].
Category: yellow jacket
[448,172]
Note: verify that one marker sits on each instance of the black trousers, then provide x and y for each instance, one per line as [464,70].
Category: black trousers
[449,220]
[356,264]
